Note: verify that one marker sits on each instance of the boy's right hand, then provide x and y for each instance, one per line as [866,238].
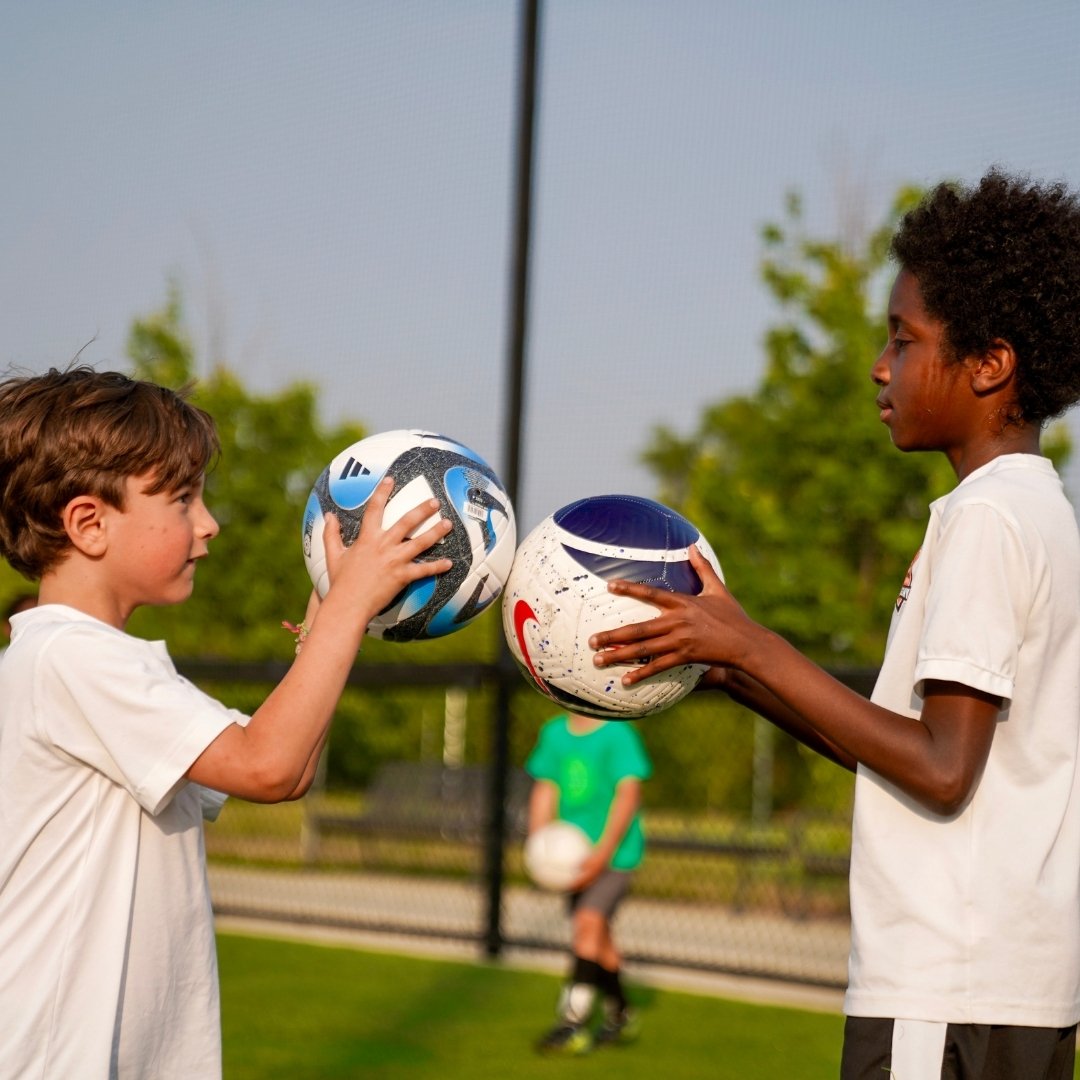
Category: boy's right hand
[382,562]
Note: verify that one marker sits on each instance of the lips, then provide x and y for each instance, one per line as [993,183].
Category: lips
[885,410]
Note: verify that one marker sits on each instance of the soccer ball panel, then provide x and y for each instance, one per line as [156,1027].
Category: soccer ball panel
[556,597]
[424,465]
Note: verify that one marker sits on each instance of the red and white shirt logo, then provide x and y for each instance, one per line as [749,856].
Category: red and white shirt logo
[905,589]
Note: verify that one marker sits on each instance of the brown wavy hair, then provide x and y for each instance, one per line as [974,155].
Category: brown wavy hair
[83,432]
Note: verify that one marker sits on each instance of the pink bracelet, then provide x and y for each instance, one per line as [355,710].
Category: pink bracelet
[300,630]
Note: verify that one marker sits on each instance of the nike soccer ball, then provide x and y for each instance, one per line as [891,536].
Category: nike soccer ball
[555,853]
[423,465]
[557,596]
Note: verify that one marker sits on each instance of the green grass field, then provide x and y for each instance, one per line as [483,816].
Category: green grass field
[313,1012]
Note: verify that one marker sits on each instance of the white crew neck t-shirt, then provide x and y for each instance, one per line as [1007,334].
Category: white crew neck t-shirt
[975,917]
[108,963]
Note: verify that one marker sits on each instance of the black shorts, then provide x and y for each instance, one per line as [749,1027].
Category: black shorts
[603,895]
[927,1050]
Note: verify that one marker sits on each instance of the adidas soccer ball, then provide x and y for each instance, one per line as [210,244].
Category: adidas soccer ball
[556,597]
[555,853]
[423,465]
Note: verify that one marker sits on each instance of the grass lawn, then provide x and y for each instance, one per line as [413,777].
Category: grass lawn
[314,1012]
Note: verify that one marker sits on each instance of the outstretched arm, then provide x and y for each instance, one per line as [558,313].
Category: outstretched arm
[273,758]
[936,759]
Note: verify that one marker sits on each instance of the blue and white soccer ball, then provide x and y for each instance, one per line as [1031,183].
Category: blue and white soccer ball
[424,465]
[556,597]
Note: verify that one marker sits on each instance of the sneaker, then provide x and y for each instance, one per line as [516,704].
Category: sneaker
[619,1027]
[564,1038]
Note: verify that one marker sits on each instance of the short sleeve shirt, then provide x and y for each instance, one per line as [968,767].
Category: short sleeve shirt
[587,768]
[106,929]
[975,917]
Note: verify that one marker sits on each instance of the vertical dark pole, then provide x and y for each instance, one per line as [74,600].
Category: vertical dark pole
[507,674]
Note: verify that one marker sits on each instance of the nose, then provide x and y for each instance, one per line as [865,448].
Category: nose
[879,373]
[208,526]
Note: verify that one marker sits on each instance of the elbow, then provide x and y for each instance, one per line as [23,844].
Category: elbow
[948,795]
[274,785]
[299,790]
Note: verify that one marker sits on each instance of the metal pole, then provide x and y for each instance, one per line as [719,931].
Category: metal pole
[507,674]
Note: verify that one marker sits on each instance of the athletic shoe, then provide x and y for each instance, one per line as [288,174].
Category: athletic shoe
[619,1027]
[564,1038]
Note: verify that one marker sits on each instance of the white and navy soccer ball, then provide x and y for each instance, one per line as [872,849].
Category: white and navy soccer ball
[557,596]
[555,853]
[424,465]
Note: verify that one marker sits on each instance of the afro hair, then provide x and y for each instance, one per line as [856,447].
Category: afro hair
[1000,260]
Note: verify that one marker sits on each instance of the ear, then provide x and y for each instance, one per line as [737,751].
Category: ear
[84,522]
[994,370]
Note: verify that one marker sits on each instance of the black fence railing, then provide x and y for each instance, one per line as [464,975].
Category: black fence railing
[413,848]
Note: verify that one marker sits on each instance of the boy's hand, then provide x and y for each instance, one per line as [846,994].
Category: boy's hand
[593,866]
[380,563]
[709,628]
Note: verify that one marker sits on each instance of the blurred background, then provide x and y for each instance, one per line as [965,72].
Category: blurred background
[312,208]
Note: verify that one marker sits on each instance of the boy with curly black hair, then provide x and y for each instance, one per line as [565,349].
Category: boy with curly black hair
[965,870]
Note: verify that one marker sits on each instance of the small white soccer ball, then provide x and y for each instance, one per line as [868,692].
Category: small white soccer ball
[554,854]
[556,597]
[424,465]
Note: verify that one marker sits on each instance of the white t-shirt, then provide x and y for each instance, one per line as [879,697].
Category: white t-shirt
[107,957]
[975,918]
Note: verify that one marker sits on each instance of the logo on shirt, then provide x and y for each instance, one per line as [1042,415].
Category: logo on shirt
[905,589]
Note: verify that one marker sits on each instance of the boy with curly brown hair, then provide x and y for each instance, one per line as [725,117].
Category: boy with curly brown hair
[965,869]
[107,756]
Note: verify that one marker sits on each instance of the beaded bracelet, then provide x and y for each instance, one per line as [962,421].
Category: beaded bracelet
[301,631]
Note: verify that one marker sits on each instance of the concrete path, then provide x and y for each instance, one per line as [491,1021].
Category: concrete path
[710,949]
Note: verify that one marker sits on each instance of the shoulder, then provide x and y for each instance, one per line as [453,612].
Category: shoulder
[1011,483]
[69,641]
[1018,493]
[622,732]
[625,739]
[554,727]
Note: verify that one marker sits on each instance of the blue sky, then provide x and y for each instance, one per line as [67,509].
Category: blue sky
[329,183]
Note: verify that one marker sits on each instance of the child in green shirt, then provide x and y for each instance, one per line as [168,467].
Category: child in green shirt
[588,772]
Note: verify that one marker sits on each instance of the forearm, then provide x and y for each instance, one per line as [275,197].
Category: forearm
[312,767]
[757,697]
[273,757]
[289,729]
[543,804]
[623,808]
[935,759]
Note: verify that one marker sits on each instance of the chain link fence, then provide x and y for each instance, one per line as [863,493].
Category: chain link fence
[748,837]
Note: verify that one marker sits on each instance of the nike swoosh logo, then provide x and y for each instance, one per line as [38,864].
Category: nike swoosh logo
[523,613]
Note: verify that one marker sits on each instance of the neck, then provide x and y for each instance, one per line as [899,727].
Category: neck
[582,725]
[1012,439]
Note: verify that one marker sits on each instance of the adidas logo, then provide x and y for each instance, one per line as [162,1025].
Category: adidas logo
[354,468]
